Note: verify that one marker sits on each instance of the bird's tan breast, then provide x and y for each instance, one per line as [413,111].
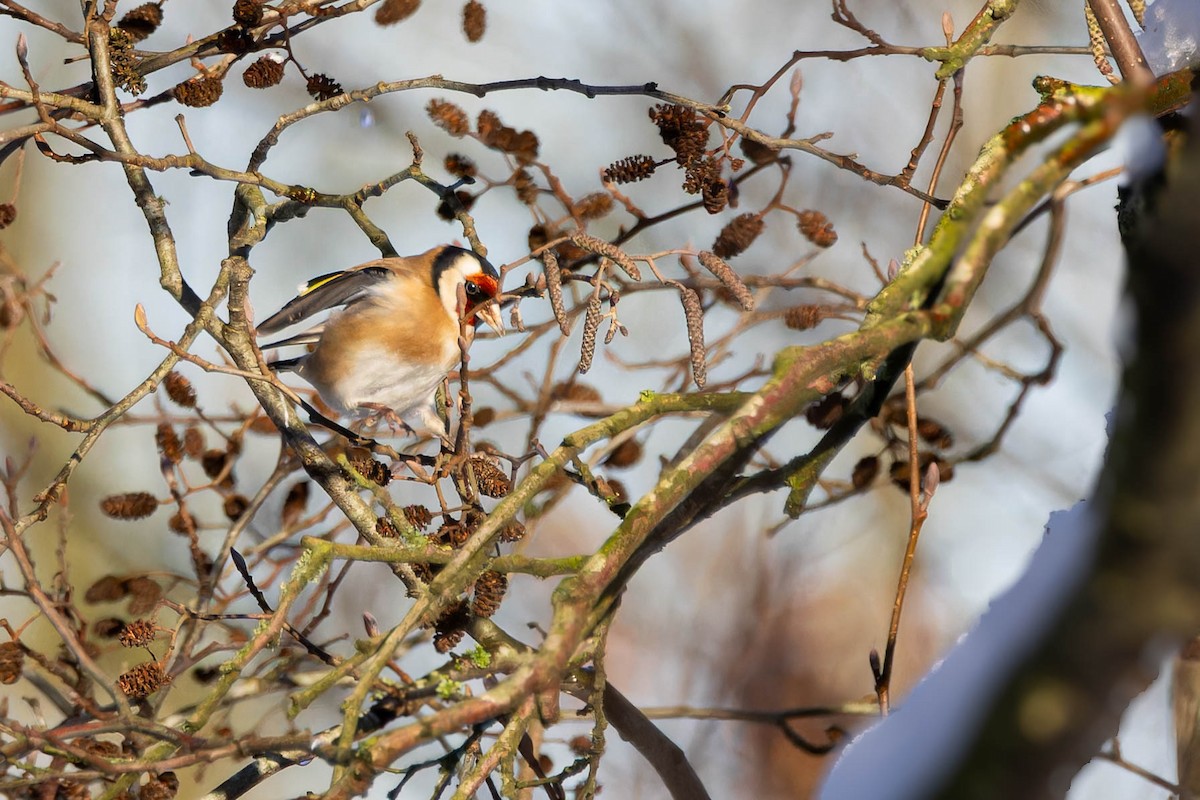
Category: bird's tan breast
[392,348]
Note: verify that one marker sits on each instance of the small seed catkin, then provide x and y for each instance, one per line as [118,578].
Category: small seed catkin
[609,250]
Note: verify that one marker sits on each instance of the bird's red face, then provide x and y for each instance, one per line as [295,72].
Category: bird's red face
[480,288]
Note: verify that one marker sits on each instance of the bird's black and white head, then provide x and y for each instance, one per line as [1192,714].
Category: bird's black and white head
[454,267]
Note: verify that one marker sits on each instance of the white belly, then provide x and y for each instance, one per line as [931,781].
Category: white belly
[376,379]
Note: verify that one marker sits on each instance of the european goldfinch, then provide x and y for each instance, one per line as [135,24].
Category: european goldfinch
[396,338]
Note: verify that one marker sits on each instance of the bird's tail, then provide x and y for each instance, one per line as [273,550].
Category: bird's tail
[286,364]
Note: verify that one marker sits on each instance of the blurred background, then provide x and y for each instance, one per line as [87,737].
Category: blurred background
[727,616]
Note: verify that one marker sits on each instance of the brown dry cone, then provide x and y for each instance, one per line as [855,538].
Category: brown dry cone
[452,533]
[181,522]
[630,169]
[935,433]
[449,117]
[682,131]
[213,462]
[803,318]
[180,390]
[138,633]
[263,73]
[193,442]
[106,589]
[163,787]
[418,516]
[575,392]
[12,661]
[131,505]
[142,21]
[295,503]
[474,20]
[234,506]
[169,445]
[386,528]
[626,454]
[757,152]
[490,477]
[526,187]
[323,87]
[512,532]
[593,206]
[8,213]
[817,228]
[108,627]
[451,626]
[738,235]
[375,471]
[392,11]
[145,594]
[248,13]
[142,680]
[826,411]
[199,92]
[489,592]
[864,472]
[460,166]
[98,747]
[235,40]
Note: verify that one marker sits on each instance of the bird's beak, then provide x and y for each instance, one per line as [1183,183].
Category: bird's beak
[491,315]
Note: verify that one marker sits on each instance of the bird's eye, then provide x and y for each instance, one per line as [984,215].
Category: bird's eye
[472,290]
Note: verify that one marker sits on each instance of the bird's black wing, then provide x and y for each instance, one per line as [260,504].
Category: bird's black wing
[325,292]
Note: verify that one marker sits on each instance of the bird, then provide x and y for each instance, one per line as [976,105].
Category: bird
[395,337]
